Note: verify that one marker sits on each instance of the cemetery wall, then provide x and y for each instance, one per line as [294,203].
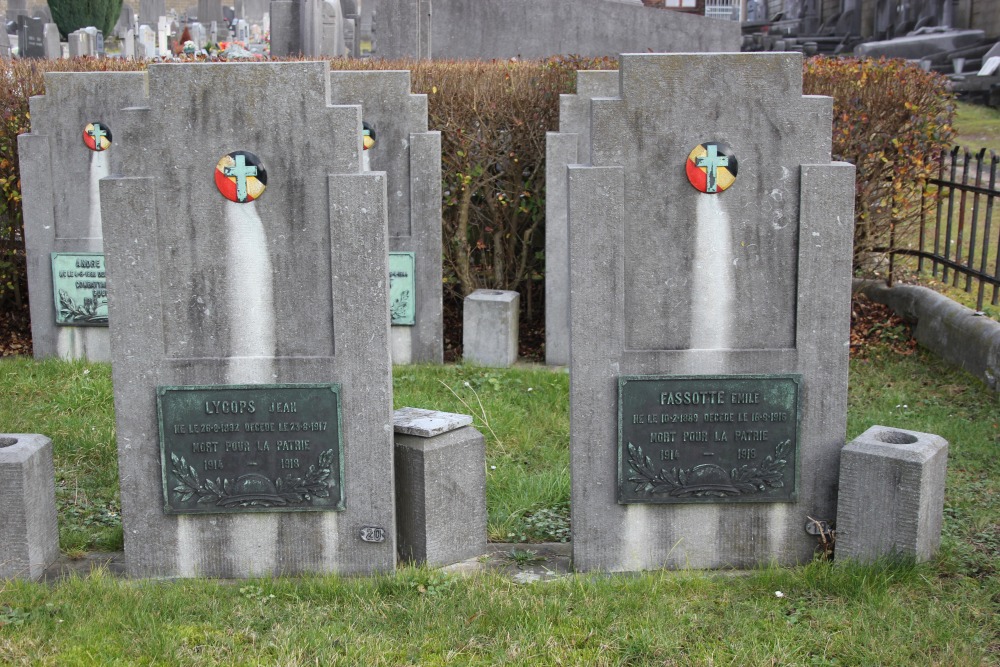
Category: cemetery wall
[457,29]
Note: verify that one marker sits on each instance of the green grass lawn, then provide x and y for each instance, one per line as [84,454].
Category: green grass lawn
[977,127]
[940,613]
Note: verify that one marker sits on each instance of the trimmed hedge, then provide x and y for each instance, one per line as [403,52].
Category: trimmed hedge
[891,120]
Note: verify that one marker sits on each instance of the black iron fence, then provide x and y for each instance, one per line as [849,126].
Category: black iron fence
[959,239]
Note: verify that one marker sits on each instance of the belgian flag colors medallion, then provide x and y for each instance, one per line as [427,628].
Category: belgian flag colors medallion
[240,177]
[97,137]
[711,167]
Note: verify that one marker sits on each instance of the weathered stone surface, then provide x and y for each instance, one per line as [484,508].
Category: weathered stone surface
[666,280]
[61,198]
[29,534]
[410,156]
[427,423]
[441,496]
[570,145]
[287,289]
[489,327]
[891,500]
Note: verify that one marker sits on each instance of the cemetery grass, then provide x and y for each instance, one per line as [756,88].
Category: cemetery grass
[944,612]
[977,126]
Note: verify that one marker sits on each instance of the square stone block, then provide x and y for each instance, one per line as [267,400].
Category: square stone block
[891,499]
[489,334]
[29,532]
[441,496]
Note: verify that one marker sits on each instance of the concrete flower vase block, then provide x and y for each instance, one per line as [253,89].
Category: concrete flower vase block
[29,533]
[440,487]
[489,334]
[891,495]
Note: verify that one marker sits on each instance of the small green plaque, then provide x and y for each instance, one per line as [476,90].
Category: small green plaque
[708,438]
[80,289]
[251,448]
[402,288]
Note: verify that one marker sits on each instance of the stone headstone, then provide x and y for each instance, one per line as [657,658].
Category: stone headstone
[147,42]
[151,10]
[52,48]
[350,42]
[210,10]
[43,12]
[331,42]
[162,36]
[62,208]
[31,37]
[570,145]
[410,156]
[242,31]
[129,44]
[4,44]
[286,36]
[96,41]
[76,43]
[29,531]
[891,501]
[490,327]
[198,35]
[710,245]
[265,322]
[126,19]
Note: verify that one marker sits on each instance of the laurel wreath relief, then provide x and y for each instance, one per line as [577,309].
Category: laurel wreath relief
[707,479]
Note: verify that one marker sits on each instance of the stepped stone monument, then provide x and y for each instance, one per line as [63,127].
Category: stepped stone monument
[710,262]
[250,332]
[72,145]
[570,145]
[410,156]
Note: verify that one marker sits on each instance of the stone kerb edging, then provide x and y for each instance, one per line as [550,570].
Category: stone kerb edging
[950,330]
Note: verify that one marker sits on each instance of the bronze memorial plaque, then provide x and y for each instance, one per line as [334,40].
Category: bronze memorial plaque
[708,438]
[251,448]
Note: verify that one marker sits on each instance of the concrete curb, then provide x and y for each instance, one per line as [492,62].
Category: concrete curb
[955,333]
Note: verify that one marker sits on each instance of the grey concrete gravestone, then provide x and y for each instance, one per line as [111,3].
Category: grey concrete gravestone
[570,145]
[62,207]
[410,156]
[151,10]
[285,289]
[673,285]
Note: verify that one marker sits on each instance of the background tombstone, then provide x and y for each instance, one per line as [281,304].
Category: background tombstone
[126,19]
[128,44]
[286,37]
[210,10]
[298,298]
[62,214]
[51,46]
[30,37]
[4,44]
[570,145]
[147,42]
[43,12]
[410,156]
[162,36]
[151,10]
[96,41]
[731,307]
